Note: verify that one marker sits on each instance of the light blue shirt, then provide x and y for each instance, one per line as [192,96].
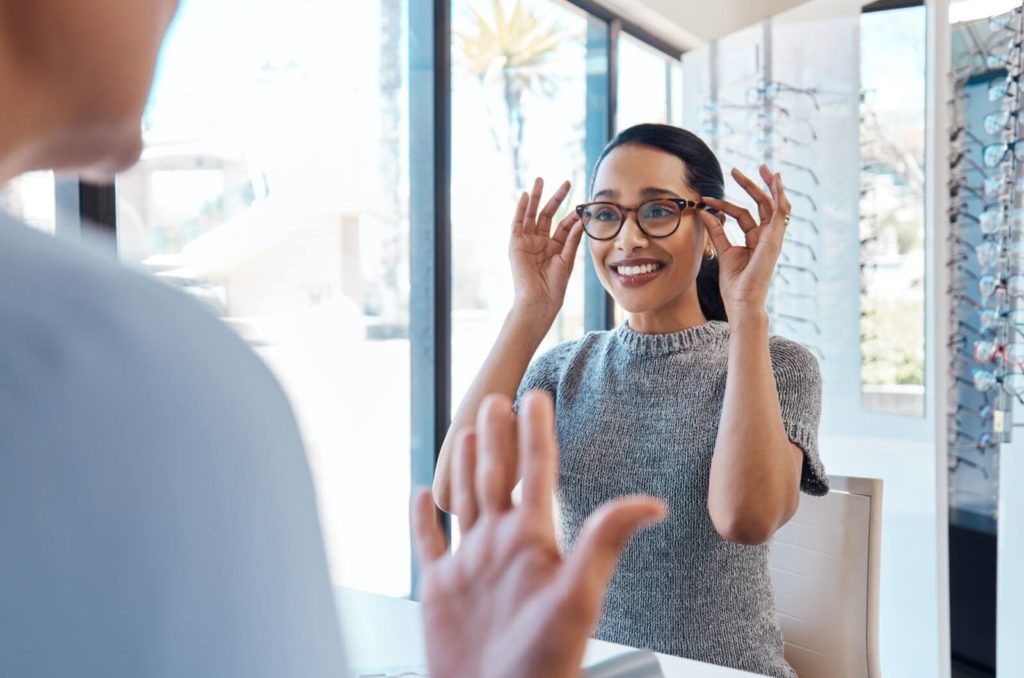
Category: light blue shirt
[157,514]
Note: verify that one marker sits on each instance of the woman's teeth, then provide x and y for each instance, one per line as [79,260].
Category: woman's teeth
[638,270]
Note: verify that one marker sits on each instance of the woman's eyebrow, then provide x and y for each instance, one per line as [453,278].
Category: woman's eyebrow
[653,191]
[649,192]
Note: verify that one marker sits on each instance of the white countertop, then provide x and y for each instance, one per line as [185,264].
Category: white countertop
[386,633]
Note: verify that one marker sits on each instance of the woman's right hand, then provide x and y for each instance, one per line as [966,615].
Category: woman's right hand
[542,260]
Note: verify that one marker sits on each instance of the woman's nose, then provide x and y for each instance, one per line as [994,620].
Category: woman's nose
[630,237]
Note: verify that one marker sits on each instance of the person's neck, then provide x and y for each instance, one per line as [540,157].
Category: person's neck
[669,319]
[15,158]
[31,119]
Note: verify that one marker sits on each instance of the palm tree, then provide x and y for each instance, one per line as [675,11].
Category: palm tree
[512,51]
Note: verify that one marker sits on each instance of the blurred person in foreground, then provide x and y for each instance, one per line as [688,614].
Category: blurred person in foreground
[157,515]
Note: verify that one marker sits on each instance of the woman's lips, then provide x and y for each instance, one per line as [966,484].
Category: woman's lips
[635,274]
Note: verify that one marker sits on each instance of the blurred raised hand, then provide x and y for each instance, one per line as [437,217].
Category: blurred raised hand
[508,603]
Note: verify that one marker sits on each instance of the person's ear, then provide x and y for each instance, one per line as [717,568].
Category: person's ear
[709,249]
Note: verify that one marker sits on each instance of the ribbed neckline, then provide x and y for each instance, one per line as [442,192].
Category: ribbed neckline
[673,342]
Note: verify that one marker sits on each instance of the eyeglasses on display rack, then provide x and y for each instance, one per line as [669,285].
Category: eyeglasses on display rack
[986,247]
[771,90]
[768,124]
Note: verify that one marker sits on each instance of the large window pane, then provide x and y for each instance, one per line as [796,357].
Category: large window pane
[892,227]
[274,188]
[30,197]
[519,101]
[644,84]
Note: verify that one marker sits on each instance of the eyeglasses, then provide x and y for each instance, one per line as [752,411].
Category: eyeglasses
[995,61]
[962,157]
[799,321]
[993,154]
[802,168]
[958,188]
[999,220]
[805,196]
[956,137]
[986,351]
[989,380]
[1004,88]
[773,89]
[1000,185]
[789,122]
[806,247]
[1007,21]
[999,121]
[656,218]
[989,284]
[958,460]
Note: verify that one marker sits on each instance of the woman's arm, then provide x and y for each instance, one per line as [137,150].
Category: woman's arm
[755,472]
[501,373]
[542,262]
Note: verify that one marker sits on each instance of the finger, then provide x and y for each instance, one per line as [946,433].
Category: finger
[781,199]
[599,546]
[530,223]
[776,232]
[561,233]
[572,245]
[742,216]
[538,452]
[767,177]
[517,220]
[496,454]
[430,543]
[464,495]
[548,213]
[716,231]
[765,206]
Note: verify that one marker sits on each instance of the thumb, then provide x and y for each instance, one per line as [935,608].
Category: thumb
[716,230]
[572,244]
[592,562]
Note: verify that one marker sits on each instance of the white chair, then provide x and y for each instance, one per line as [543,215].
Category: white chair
[824,568]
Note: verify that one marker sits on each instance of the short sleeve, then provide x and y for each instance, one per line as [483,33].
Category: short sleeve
[798,380]
[544,372]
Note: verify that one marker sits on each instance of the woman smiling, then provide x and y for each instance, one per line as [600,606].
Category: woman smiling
[690,400]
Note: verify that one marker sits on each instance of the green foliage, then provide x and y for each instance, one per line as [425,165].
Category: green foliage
[892,342]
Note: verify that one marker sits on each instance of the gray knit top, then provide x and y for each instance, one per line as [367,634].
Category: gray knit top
[639,413]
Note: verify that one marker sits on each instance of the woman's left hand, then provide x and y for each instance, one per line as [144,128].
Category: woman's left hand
[745,271]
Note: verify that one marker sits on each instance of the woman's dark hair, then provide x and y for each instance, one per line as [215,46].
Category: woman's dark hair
[703,174]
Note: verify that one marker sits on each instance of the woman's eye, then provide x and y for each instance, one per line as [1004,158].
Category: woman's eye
[606,215]
[658,212]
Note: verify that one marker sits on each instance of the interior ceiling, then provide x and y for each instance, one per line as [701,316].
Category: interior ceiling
[691,23]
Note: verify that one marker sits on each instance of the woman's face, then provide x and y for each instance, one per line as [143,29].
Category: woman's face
[647,275]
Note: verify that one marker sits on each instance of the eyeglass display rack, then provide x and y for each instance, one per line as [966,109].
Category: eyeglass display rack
[986,259]
[753,119]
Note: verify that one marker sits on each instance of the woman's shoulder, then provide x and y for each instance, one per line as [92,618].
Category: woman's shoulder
[792,356]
